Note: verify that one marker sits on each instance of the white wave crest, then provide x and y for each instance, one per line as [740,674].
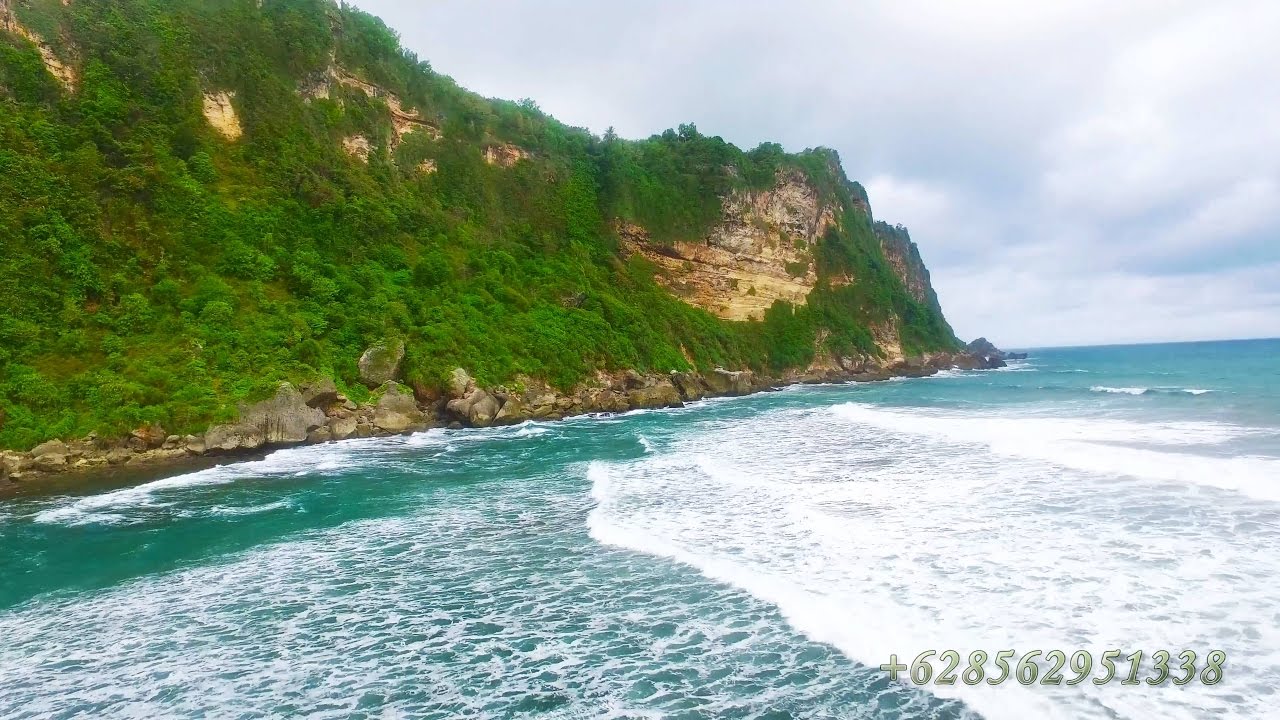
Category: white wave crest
[1120,390]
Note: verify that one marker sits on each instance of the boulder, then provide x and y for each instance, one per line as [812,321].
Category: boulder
[281,420]
[982,346]
[50,461]
[148,437]
[12,464]
[662,394]
[397,411]
[513,412]
[725,382]
[478,408]
[320,394]
[460,383]
[612,401]
[194,444]
[689,384]
[319,435]
[234,436]
[52,447]
[484,408]
[118,456]
[381,363]
[991,357]
[341,428]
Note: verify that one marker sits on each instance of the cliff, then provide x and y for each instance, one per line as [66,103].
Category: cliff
[192,218]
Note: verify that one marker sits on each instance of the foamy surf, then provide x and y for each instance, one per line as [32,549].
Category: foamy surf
[885,532]
[1147,390]
[113,508]
[1155,451]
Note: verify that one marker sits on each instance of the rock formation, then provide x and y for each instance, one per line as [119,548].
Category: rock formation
[759,253]
[381,363]
[283,419]
[221,114]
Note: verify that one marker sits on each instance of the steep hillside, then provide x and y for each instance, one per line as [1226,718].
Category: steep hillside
[200,199]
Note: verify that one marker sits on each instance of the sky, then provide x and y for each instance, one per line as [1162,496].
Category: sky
[1082,172]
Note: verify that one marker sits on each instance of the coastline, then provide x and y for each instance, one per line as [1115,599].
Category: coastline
[318,413]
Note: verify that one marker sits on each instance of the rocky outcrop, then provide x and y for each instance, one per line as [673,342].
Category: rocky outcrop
[657,393]
[760,252]
[727,382]
[283,419]
[404,120]
[983,348]
[904,257]
[504,154]
[321,393]
[221,114]
[60,69]
[469,403]
[358,147]
[397,411]
[381,363]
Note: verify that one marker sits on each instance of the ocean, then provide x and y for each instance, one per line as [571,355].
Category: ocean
[755,557]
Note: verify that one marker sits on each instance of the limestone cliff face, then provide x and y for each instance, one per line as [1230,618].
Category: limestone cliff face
[61,69]
[404,120]
[221,114]
[760,252]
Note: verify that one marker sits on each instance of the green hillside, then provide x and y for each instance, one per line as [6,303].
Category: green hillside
[155,269]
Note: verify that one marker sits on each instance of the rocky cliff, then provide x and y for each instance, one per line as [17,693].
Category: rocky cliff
[281,194]
[760,252]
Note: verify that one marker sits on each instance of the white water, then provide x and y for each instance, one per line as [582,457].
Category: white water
[884,531]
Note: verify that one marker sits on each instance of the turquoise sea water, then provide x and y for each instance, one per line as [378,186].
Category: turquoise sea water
[749,557]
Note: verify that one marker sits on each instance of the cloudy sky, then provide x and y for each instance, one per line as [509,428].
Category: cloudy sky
[1074,173]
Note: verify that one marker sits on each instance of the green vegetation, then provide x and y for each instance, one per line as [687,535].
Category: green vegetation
[153,271]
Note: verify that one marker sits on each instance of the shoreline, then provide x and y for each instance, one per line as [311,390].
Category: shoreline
[397,410]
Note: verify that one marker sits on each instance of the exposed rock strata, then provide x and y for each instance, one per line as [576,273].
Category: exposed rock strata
[61,70]
[404,120]
[504,154]
[221,114]
[760,252]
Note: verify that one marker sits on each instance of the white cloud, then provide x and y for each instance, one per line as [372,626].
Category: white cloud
[1073,172]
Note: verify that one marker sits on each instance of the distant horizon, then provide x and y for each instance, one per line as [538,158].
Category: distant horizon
[1021,348]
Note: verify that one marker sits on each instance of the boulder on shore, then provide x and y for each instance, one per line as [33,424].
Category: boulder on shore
[281,420]
[320,394]
[661,394]
[381,363]
[690,385]
[397,411]
[460,383]
[478,408]
[726,382]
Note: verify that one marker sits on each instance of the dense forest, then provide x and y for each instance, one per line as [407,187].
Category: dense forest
[154,270]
